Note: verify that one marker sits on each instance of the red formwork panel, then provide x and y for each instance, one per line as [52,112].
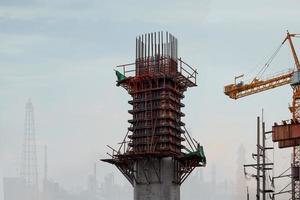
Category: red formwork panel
[287,134]
[288,143]
[286,131]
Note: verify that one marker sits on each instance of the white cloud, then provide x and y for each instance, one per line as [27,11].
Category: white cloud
[16,44]
[157,12]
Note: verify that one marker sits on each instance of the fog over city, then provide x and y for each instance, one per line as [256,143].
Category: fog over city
[57,60]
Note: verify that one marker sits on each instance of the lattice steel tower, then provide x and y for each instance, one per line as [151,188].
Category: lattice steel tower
[29,171]
[153,156]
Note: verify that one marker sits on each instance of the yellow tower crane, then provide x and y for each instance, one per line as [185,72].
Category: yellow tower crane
[288,138]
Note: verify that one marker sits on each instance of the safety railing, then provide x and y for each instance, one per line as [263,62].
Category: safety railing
[163,65]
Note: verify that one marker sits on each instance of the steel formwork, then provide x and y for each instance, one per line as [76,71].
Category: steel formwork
[156,82]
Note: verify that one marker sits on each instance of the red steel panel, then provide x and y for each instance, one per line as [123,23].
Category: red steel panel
[288,143]
[286,132]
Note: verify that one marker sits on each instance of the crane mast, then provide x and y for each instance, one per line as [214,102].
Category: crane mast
[289,38]
[287,135]
[295,110]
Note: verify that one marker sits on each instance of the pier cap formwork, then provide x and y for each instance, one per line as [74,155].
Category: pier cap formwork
[156,82]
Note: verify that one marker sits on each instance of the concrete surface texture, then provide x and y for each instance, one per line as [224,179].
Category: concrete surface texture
[155,180]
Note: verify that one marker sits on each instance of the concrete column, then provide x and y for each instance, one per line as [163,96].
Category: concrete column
[149,187]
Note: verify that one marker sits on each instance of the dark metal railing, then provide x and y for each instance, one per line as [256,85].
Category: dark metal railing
[163,65]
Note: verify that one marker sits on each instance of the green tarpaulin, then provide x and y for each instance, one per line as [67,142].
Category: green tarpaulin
[199,153]
[120,76]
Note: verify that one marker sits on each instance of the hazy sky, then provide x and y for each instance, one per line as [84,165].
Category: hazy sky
[62,53]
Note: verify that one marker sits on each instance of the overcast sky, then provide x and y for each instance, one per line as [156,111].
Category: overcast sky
[61,54]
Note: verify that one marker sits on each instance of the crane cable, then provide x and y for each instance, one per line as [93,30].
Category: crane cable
[267,64]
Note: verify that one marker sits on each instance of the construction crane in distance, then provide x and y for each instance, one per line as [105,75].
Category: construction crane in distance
[283,134]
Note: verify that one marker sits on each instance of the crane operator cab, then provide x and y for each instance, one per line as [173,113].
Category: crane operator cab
[295,79]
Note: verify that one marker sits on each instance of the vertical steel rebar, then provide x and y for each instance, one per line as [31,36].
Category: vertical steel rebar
[136,48]
[155,44]
[158,49]
[142,47]
[166,45]
[151,45]
[162,44]
[139,47]
[258,161]
[264,161]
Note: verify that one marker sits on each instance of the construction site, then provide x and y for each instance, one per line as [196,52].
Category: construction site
[152,155]
[158,154]
[149,100]
[285,133]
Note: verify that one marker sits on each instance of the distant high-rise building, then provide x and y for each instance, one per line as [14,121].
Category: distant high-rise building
[214,174]
[45,192]
[29,157]
[93,183]
[25,186]
[29,170]
[240,180]
[201,178]
[14,188]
